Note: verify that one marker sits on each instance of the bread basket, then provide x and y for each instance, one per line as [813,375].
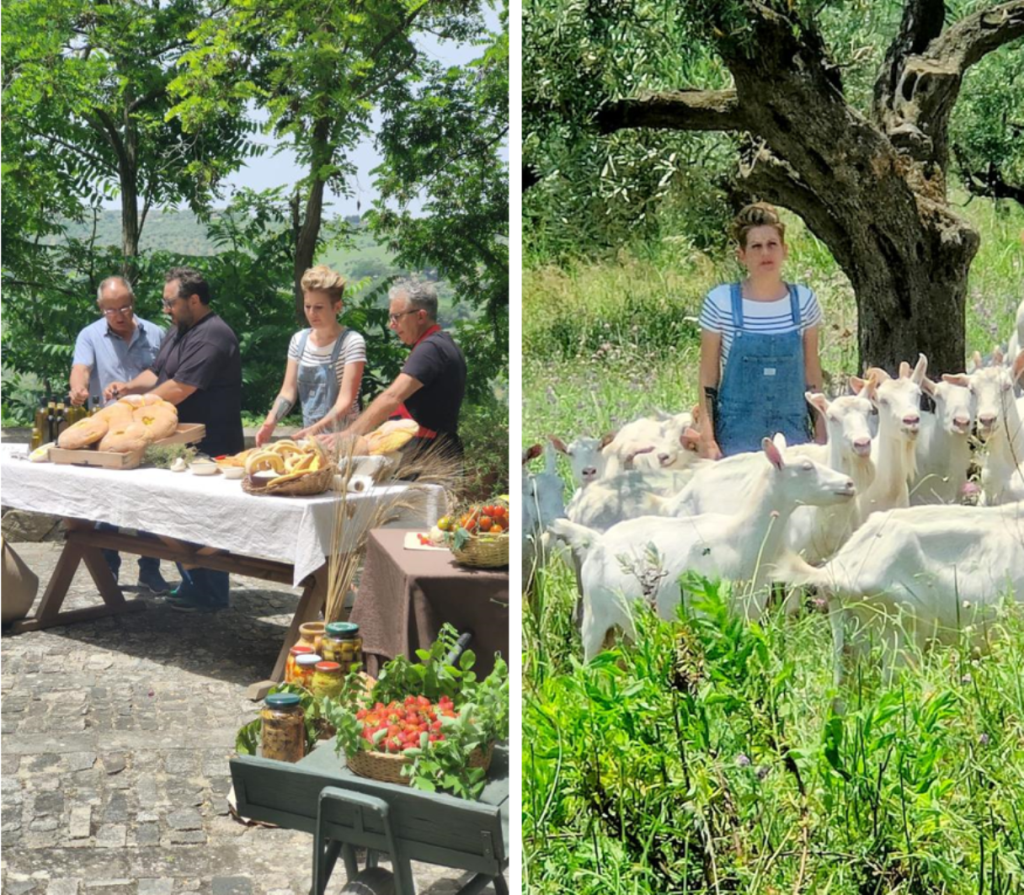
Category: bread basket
[306,486]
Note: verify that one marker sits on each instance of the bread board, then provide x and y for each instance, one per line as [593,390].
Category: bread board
[186,433]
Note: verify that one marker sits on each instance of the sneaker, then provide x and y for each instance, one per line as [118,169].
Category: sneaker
[184,606]
[155,582]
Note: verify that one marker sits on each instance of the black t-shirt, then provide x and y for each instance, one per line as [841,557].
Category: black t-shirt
[206,357]
[438,363]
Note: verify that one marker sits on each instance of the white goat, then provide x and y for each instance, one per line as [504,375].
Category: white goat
[630,494]
[999,426]
[542,504]
[666,443]
[899,421]
[936,570]
[742,547]
[943,451]
[585,457]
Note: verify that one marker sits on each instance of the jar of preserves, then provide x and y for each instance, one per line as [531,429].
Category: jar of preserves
[283,731]
[304,666]
[342,644]
[310,634]
[328,679]
[290,670]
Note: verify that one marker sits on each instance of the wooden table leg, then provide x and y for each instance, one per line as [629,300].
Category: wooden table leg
[48,615]
[312,601]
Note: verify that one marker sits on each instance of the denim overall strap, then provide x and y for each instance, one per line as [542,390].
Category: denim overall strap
[319,386]
[762,390]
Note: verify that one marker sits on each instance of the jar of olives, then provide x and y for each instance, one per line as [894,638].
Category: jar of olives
[342,644]
[283,731]
[328,679]
[290,668]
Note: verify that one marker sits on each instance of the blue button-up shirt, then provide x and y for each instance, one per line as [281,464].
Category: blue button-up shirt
[112,359]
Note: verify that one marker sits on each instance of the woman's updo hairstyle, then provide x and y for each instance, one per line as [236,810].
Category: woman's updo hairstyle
[322,279]
[760,214]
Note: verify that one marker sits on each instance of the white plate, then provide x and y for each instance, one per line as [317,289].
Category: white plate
[233,472]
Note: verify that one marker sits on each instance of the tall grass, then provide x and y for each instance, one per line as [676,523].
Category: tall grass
[715,756]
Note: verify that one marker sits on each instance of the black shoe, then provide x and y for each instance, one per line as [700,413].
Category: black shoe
[154,581]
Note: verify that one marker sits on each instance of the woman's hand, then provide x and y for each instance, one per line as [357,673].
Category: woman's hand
[264,432]
[710,450]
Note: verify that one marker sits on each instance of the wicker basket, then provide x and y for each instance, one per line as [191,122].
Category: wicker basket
[491,553]
[310,484]
[387,767]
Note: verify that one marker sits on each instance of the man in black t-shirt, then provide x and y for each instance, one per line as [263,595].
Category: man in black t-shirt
[199,369]
[432,383]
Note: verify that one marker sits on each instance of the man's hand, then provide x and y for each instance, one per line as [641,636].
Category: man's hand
[115,390]
[79,396]
[263,433]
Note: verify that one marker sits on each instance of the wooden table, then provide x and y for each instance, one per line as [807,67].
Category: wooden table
[406,595]
[199,521]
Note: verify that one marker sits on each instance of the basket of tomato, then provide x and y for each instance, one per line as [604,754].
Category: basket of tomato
[479,536]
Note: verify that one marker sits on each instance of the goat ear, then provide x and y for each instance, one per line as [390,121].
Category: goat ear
[920,370]
[997,356]
[606,440]
[957,379]
[976,362]
[928,386]
[558,444]
[857,384]
[818,401]
[531,452]
[773,454]
[879,375]
[695,414]
[904,370]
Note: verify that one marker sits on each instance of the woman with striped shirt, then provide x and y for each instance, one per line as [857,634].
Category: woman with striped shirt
[325,362]
[758,347]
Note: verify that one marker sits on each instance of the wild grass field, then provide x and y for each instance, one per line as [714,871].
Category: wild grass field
[717,756]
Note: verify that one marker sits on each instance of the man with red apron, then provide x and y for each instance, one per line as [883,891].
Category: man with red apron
[432,383]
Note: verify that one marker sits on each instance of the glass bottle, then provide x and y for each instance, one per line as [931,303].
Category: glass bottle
[40,421]
[328,680]
[283,731]
[342,644]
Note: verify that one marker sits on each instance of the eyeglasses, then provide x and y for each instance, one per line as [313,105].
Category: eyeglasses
[169,304]
[115,312]
[394,318]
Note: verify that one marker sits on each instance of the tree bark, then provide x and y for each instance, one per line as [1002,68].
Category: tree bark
[874,191]
[309,230]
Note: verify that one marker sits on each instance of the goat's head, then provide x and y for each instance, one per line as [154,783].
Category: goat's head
[898,400]
[991,392]
[802,481]
[848,420]
[954,409]
[588,463]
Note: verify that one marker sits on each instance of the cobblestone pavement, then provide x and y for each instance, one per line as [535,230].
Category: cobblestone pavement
[116,736]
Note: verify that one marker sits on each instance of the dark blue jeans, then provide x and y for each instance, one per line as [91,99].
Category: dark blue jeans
[147,564]
[204,587]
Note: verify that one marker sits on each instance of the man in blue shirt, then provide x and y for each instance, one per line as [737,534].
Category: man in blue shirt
[117,347]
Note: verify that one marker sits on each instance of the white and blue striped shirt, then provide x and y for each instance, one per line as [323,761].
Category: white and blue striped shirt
[758,316]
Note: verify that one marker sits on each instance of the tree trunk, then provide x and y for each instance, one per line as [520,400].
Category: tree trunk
[309,231]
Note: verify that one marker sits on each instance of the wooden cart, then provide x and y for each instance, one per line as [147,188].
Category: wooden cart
[320,795]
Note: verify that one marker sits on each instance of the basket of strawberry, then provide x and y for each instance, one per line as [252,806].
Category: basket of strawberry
[428,724]
[479,536]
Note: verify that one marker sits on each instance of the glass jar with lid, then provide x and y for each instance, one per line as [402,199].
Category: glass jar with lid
[290,669]
[342,644]
[328,679]
[304,667]
[283,731]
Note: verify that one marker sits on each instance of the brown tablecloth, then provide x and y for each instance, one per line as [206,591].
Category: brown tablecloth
[406,595]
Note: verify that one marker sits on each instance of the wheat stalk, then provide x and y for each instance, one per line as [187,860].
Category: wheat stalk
[348,525]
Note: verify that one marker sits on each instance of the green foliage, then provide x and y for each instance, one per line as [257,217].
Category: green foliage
[714,755]
[482,706]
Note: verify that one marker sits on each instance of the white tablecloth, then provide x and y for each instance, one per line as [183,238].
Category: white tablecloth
[208,510]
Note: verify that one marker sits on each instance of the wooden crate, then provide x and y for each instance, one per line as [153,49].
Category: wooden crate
[186,433]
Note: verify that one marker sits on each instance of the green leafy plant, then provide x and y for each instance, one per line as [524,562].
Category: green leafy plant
[440,765]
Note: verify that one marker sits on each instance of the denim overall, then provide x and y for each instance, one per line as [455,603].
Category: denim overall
[763,385]
[319,386]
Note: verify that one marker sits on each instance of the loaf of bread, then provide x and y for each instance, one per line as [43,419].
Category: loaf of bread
[83,433]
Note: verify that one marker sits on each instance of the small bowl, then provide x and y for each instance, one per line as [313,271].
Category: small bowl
[204,467]
[233,472]
[262,479]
